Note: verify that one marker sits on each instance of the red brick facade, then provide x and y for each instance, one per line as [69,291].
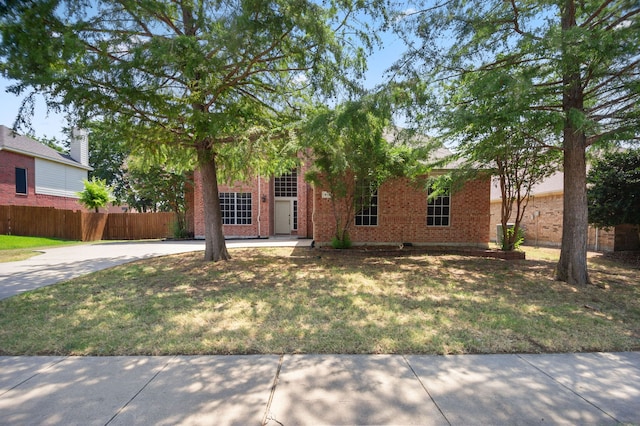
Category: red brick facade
[402,214]
[263,205]
[402,217]
[8,197]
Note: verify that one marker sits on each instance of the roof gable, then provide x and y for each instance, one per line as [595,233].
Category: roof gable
[11,141]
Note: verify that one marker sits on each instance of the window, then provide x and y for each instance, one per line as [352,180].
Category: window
[236,208]
[366,205]
[295,214]
[438,209]
[21,180]
[286,185]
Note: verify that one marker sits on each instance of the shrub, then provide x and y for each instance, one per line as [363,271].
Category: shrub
[338,243]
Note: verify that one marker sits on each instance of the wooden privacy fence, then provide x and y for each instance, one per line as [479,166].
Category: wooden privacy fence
[83,226]
[138,226]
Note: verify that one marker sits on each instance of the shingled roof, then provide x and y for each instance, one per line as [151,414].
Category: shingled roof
[11,141]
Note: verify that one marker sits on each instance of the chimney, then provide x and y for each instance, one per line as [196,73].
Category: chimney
[79,147]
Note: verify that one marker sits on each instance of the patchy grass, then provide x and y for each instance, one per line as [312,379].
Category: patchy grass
[15,247]
[285,300]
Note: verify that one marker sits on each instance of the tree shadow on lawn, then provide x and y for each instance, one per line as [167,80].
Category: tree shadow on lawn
[296,301]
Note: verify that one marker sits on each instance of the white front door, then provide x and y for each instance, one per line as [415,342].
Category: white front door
[283,217]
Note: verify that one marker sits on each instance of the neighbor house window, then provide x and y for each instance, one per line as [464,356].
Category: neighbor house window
[21,180]
[366,205]
[236,208]
[438,209]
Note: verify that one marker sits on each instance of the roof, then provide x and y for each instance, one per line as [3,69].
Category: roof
[553,184]
[11,141]
[396,135]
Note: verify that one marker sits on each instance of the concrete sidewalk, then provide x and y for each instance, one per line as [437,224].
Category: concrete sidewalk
[598,388]
[64,263]
[595,388]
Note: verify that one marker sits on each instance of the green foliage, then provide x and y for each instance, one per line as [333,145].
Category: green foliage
[153,187]
[179,230]
[341,243]
[564,70]
[353,149]
[614,189]
[55,144]
[108,152]
[96,194]
[219,83]
[510,239]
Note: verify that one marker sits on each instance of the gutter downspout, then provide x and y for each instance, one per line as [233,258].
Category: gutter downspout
[259,207]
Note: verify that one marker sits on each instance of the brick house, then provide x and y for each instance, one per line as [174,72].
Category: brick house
[401,213]
[261,207]
[288,205]
[32,174]
[542,222]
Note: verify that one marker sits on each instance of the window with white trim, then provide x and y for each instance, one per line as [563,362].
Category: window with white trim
[366,205]
[21,180]
[438,209]
[236,208]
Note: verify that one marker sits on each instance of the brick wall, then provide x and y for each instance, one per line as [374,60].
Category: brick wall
[542,224]
[402,217]
[262,214]
[8,197]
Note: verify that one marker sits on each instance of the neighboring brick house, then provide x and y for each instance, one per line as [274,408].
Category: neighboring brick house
[288,205]
[542,222]
[32,174]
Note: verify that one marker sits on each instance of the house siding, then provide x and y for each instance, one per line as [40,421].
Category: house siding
[8,163]
[402,217]
[57,179]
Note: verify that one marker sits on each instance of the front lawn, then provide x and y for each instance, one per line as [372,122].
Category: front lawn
[286,300]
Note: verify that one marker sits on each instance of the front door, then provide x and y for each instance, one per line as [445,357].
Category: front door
[283,217]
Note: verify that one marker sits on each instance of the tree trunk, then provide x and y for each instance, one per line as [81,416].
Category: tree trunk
[572,267]
[215,247]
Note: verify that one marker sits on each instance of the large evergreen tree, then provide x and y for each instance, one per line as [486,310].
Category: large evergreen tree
[575,69]
[215,80]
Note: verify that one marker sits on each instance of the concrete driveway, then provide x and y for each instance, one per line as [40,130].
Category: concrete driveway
[64,263]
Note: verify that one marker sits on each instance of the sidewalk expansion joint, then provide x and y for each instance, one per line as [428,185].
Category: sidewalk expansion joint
[37,373]
[121,409]
[568,388]
[268,416]
[425,389]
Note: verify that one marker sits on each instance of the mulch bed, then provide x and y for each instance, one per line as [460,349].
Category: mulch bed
[397,251]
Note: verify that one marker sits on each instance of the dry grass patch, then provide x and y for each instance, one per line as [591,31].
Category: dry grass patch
[285,300]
